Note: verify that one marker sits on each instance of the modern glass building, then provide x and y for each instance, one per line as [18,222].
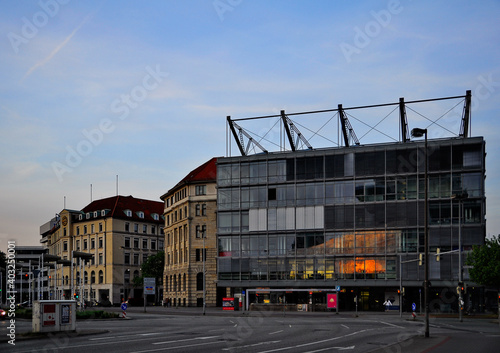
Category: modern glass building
[300,222]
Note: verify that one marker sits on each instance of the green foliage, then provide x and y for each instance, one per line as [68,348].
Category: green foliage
[98,314]
[486,263]
[23,313]
[152,267]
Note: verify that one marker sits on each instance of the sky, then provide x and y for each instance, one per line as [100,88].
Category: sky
[92,90]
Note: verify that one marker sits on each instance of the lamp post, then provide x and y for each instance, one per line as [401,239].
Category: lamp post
[416,132]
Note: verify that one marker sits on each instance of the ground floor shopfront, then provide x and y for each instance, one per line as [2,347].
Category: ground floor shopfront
[443,298]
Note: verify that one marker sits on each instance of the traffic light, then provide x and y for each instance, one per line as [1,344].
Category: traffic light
[437,254]
[420,259]
[399,292]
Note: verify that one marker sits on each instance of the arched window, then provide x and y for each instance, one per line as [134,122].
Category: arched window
[199,281]
[101,276]
[92,277]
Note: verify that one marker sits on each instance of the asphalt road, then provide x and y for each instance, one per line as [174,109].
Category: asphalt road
[187,331]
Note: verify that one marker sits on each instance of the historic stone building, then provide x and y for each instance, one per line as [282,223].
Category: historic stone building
[190,238]
[108,240]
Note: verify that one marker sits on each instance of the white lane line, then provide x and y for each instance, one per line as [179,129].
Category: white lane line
[330,348]
[387,323]
[176,347]
[187,339]
[251,345]
[126,336]
[317,342]
[272,333]
[344,326]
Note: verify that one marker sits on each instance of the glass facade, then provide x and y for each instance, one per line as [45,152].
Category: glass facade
[346,213]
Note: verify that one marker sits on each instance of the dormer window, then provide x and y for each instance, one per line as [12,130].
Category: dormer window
[155,216]
[103,213]
[128,213]
[87,215]
[80,217]
[140,214]
[96,214]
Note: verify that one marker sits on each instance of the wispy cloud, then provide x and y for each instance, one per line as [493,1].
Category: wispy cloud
[57,49]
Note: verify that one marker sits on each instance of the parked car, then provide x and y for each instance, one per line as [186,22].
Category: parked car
[3,314]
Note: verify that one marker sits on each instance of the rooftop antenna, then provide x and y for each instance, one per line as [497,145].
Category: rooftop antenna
[116,184]
[64,203]
[90,192]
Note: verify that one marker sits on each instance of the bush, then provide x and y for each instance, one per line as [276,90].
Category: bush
[98,314]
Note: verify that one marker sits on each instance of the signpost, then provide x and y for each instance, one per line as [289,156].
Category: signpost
[124,310]
[149,288]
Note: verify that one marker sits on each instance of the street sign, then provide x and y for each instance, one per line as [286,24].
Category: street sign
[414,307]
[124,306]
[337,288]
[149,285]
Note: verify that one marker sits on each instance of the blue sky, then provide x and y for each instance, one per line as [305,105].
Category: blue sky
[141,89]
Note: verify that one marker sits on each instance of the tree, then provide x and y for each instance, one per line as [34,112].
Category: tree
[485,262]
[152,267]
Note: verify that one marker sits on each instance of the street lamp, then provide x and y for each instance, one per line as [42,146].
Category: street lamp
[416,132]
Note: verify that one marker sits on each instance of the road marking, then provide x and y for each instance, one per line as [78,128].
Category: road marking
[272,333]
[187,339]
[344,326]
[124,336]
[317,342]
[329,348]
[176,347]
[251,345]
[386,323]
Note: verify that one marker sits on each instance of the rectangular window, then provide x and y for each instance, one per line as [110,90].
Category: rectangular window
[77,230]
[198,232]
[198,254]
[100,243]
[136,259]
[92,243]
[127,227]
[126,259]
[84,229]
[136,243]
[144,228]
[101,259]
[200,190]
[78,245]
[153,244]
[92,228]
[100,227]
[144,258]
[204,210]
[85,244]
[153,230]
[136,228]
[144,243]
[65,246]
[127,242]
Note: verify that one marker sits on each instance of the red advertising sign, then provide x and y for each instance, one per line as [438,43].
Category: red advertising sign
[49,314]
[331,300]
[227,303]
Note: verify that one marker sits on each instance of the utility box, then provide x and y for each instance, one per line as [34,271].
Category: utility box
[54,315]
